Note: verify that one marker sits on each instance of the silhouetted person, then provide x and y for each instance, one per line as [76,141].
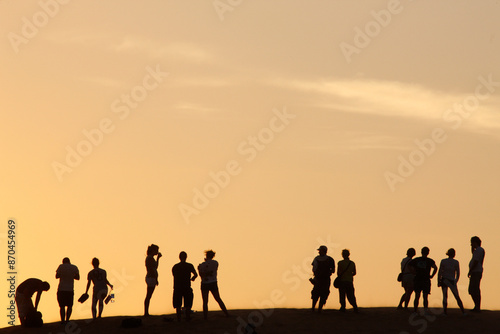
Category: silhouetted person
[346,272]
[323,267]
[151,274]
[182,286]
[100,290]
[421,267]
[476,272]
[208,274]
[448,276]
[408,278]
[67,273]
[24,292]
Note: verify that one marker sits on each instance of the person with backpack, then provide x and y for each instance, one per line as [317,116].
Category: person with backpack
[345,275]
[406,279]
[323,267]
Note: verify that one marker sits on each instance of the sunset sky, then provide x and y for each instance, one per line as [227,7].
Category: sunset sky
[259,129]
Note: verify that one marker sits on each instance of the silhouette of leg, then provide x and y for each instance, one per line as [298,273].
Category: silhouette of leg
[101,306]
[94,306]
[68,312]
[444,288]
[454,290]
[401,301]
[342,293]
[408,293]
[62,313]
[204,296]
[220,302]
[351,297]
[425,297]
[415,302]
[147,300]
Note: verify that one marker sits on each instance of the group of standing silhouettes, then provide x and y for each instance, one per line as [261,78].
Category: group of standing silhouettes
[184,273]
[67,273]
[416,277]
[323,266]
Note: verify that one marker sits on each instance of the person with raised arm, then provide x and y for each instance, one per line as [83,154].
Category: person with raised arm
[151,274]
[208,273]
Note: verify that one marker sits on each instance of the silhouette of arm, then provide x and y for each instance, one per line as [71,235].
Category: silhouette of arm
[77,275]
[37,300]
[88,285]
[158,260]
[440,272]
[457,271]
[193,271]
[353,269]
[435,268]
[474,263]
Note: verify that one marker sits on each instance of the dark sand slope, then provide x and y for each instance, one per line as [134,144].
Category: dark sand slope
[299,321]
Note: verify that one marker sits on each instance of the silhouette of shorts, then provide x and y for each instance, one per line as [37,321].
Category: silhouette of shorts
[422,286]
[65,298]
[212,287]
[151,282]
[179,294]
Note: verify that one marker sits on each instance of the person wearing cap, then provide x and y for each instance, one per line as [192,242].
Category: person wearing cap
[323,267]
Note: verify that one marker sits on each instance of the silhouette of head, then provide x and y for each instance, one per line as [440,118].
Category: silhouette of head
[346,253]
[411,252]
[95,262]
[153,249]
[209,254]
[66,260]
[45,286]
[183,256]
[425,251]
[451,253]
[475,241]
[322,250]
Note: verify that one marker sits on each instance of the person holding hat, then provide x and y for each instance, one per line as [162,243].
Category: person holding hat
[323,267]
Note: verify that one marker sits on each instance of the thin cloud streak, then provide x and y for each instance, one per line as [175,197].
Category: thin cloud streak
[395,99]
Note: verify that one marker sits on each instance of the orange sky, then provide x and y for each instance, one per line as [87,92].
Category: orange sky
[258,129]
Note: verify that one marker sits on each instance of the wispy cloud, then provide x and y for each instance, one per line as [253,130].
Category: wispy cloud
[160,50]
[395,99]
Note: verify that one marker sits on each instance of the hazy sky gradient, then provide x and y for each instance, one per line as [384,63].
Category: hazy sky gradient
[320,179]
